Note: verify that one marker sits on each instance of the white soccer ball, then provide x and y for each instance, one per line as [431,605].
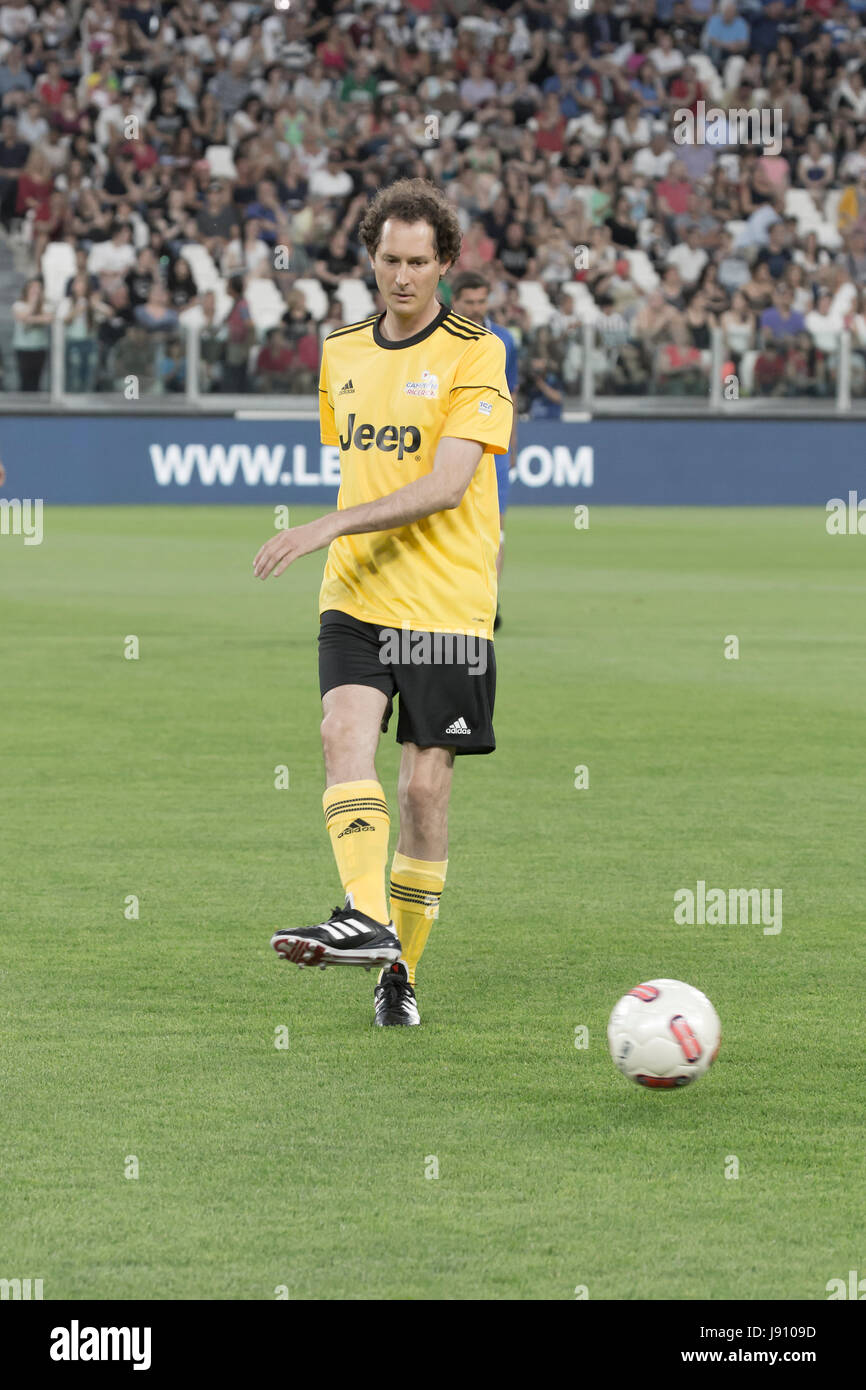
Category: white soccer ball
[664,1033]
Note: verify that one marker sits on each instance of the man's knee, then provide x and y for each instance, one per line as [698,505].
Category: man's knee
[424,788]
[337,730]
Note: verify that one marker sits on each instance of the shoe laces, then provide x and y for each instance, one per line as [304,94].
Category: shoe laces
[396,986]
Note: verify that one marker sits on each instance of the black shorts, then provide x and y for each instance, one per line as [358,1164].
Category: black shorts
[446,682]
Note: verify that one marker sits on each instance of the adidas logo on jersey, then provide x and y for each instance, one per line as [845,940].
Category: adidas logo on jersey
[355,827]
[347,389]
[459,727]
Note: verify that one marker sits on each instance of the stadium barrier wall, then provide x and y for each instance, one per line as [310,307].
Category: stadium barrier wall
[638,462]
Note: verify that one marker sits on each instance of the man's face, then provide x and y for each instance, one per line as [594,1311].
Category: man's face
[472,304]
[406,267]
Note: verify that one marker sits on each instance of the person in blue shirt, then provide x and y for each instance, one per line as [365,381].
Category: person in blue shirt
[725,33]
[469,294]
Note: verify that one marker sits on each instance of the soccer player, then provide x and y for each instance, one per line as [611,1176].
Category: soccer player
[417,400]
[469,293]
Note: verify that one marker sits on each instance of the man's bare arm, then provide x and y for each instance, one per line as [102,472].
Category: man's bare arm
[440,490]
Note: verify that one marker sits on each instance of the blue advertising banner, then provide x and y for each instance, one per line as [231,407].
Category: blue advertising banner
[656,462]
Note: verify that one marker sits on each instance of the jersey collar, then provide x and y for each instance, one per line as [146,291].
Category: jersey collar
[416,338]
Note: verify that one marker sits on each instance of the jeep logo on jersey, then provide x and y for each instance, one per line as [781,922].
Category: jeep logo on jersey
[406,439]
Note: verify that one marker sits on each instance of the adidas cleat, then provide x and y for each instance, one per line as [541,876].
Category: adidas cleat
[394,998]
[349,937]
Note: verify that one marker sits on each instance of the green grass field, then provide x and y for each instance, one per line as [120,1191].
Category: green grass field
[305,1167]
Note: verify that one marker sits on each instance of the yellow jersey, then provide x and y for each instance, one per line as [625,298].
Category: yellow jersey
[386,405]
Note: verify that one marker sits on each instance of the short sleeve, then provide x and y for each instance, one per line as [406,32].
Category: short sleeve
[327,419]
[479,405]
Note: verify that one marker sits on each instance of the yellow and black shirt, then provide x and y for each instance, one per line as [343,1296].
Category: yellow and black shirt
[387,405]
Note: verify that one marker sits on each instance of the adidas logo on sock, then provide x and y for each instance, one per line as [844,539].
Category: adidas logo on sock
[354,827]
[347,389]
[459,727]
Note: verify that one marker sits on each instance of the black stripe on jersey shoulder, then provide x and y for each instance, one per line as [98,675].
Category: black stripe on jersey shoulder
[457,331]
[480,386]
[351,328]
[460,321]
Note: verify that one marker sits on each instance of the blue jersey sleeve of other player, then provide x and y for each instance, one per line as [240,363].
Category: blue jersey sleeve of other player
[503,461]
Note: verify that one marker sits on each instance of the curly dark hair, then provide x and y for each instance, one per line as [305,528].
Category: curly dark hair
[414,200]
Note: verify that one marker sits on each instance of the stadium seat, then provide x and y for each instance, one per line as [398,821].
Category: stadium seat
[641,270]
[202,266]
[58,268]
[832,199]
[747,371]
[267,305]
[315,297]
[221,161]
[356,300]
[533,298]
[707,75]
[799,203]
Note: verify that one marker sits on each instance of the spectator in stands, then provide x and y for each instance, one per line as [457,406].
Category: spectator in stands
[111,259]
[250,254]
[543,389]
[218,221]
[52,222]
[725,35]
[141,277]
[689,257]
[35,184]
[815,168]
[759,288]
[134,358]
[738,328]
[515,257]
[336,260]
[31,335]
[801,293]
[13,158]
[274,362]
[156,315]
[78,314]
[241,335]
[632,128]
[657,322]
[781,320]
[182,290]
[623,230]
[699,322]
[15,81]
[775,254]
[114,315]
[823,325]
[32,125]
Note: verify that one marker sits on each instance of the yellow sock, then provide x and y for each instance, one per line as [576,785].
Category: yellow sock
[416,887]
[356,816]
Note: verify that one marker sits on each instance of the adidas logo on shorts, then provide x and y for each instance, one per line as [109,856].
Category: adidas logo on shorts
[459,727]
[354,828]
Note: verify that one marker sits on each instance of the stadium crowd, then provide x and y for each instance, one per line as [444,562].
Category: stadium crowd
[163,164]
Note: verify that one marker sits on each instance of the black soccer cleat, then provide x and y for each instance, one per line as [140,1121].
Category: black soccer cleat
[394,997]
[349,937]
